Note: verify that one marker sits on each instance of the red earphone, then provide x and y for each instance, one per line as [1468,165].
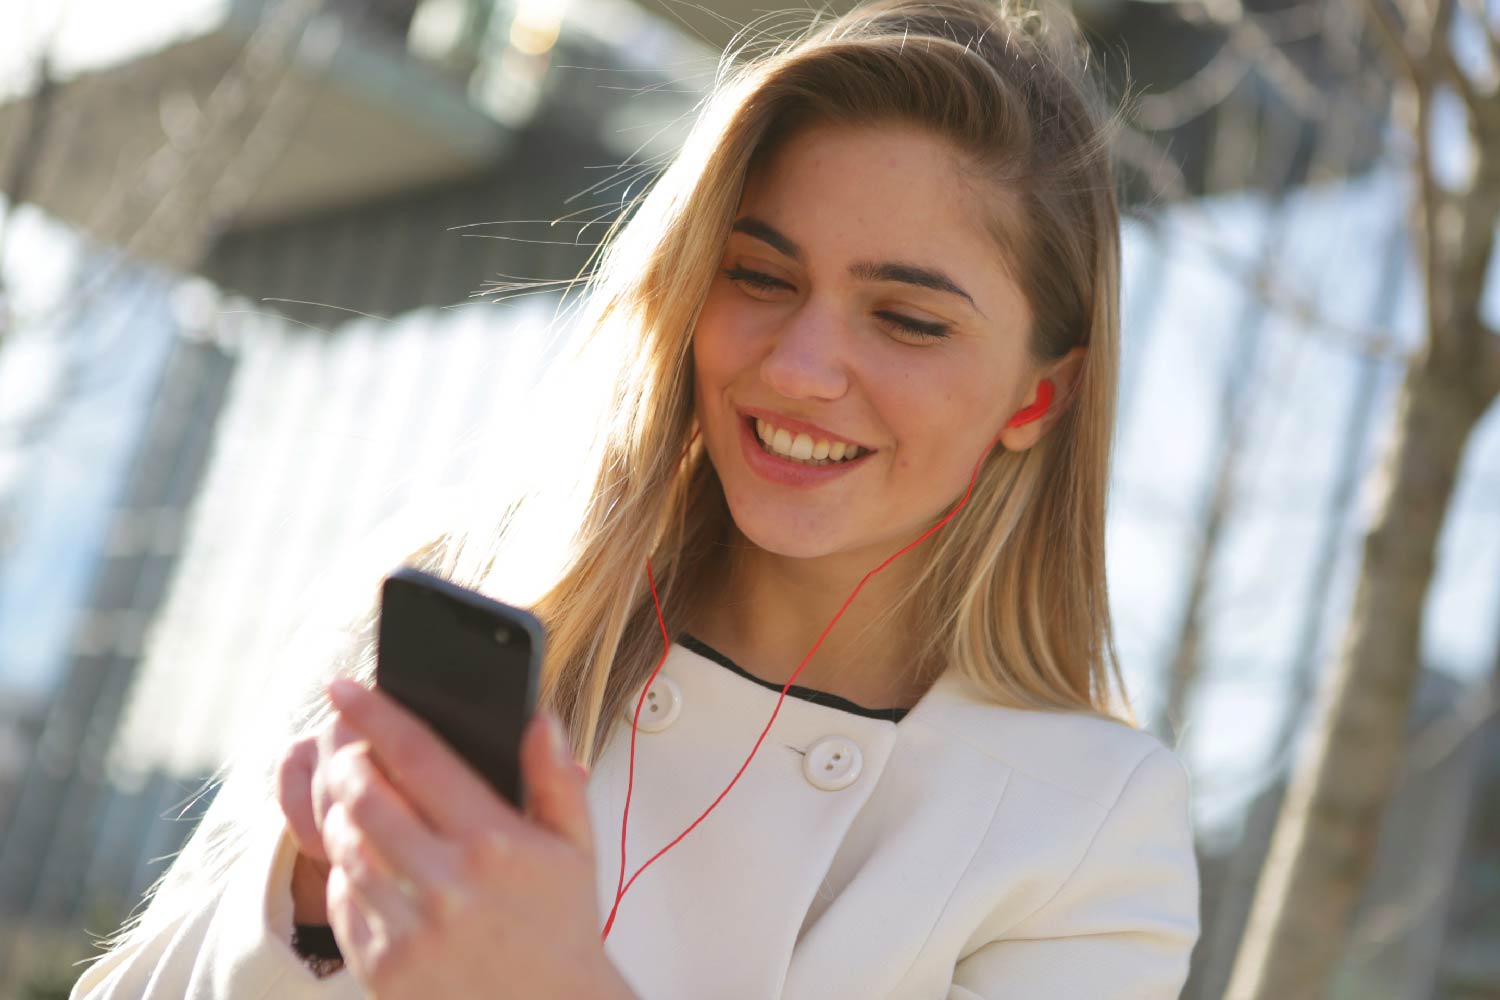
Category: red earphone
[1027,414]
[1022,416]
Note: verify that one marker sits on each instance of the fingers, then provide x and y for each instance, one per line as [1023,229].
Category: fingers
[294,794]
[301,786]
[354,926]
[336,732]
[400,840]
[440,784]
[377,886]
[556,785]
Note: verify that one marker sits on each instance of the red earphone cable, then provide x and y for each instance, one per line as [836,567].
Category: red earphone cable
[621,887]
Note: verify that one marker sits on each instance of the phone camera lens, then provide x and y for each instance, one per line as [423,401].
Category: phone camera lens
[502,635]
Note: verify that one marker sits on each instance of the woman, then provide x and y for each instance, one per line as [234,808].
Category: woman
[872,304]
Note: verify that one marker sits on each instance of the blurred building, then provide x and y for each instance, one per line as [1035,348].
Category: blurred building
[311,162]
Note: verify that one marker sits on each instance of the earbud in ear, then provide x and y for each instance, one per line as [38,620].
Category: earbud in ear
[1027,414]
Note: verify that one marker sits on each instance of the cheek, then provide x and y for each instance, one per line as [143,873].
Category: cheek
[942,422]
[708,356]
[721,349]
[715,369]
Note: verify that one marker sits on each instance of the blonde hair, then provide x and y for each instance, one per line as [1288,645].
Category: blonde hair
[1012,592]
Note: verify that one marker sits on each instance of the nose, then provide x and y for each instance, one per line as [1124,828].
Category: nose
[808,357]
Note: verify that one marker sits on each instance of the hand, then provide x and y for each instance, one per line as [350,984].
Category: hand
[305,800]
[438,886]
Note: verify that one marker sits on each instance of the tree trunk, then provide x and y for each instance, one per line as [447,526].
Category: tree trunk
[1326,833]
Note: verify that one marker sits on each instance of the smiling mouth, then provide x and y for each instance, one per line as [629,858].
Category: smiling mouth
[801,449]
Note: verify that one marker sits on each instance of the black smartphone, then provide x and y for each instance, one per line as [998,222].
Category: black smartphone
[465,663]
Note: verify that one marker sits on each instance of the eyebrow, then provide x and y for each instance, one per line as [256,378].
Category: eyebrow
[906,273]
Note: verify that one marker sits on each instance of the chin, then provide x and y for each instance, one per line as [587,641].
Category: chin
[792,537]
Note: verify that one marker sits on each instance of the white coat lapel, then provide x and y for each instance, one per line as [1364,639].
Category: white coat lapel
[718,914]
[932,807]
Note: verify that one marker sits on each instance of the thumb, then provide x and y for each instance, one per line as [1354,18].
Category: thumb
[556,793]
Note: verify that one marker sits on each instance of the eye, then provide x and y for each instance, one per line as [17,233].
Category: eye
[753,278]
[914,327]
[905,324]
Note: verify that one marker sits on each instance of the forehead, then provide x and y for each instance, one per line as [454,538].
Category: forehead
[829,184]
[887,191]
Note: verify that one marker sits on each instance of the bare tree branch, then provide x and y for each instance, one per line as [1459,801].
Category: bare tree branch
[1430,203]
[1489,358]
[1475,9]
[1313,321]
[1137,149]
[1249,41]
[1276,67]
[1455,75]
[1195,96]
[1323,847]
[1445,62]
[1392,37]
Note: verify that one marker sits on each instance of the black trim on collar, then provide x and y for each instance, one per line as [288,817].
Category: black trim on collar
[692,642]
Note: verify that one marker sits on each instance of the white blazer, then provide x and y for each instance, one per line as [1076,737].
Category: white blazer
[966,851]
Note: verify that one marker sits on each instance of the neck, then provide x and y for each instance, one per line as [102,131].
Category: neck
[766,611]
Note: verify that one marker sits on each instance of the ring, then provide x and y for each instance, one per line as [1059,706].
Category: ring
[409,889]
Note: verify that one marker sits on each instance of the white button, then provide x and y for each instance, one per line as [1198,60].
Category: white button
[832,763]
[663,702]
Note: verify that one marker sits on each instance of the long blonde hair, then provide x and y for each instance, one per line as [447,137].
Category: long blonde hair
[1012,592]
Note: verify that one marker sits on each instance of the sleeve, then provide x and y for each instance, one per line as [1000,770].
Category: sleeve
[235,946]
[1123,924]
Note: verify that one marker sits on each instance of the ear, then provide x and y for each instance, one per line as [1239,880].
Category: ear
[1063,373]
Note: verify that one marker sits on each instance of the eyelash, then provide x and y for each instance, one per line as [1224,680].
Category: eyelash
[931,331]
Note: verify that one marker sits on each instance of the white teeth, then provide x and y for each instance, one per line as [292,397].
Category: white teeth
[802,447]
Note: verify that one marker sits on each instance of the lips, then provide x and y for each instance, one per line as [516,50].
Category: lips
[785,471]
[820,452]
[795,426]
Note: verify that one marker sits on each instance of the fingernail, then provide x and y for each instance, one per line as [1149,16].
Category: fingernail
[341,690]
